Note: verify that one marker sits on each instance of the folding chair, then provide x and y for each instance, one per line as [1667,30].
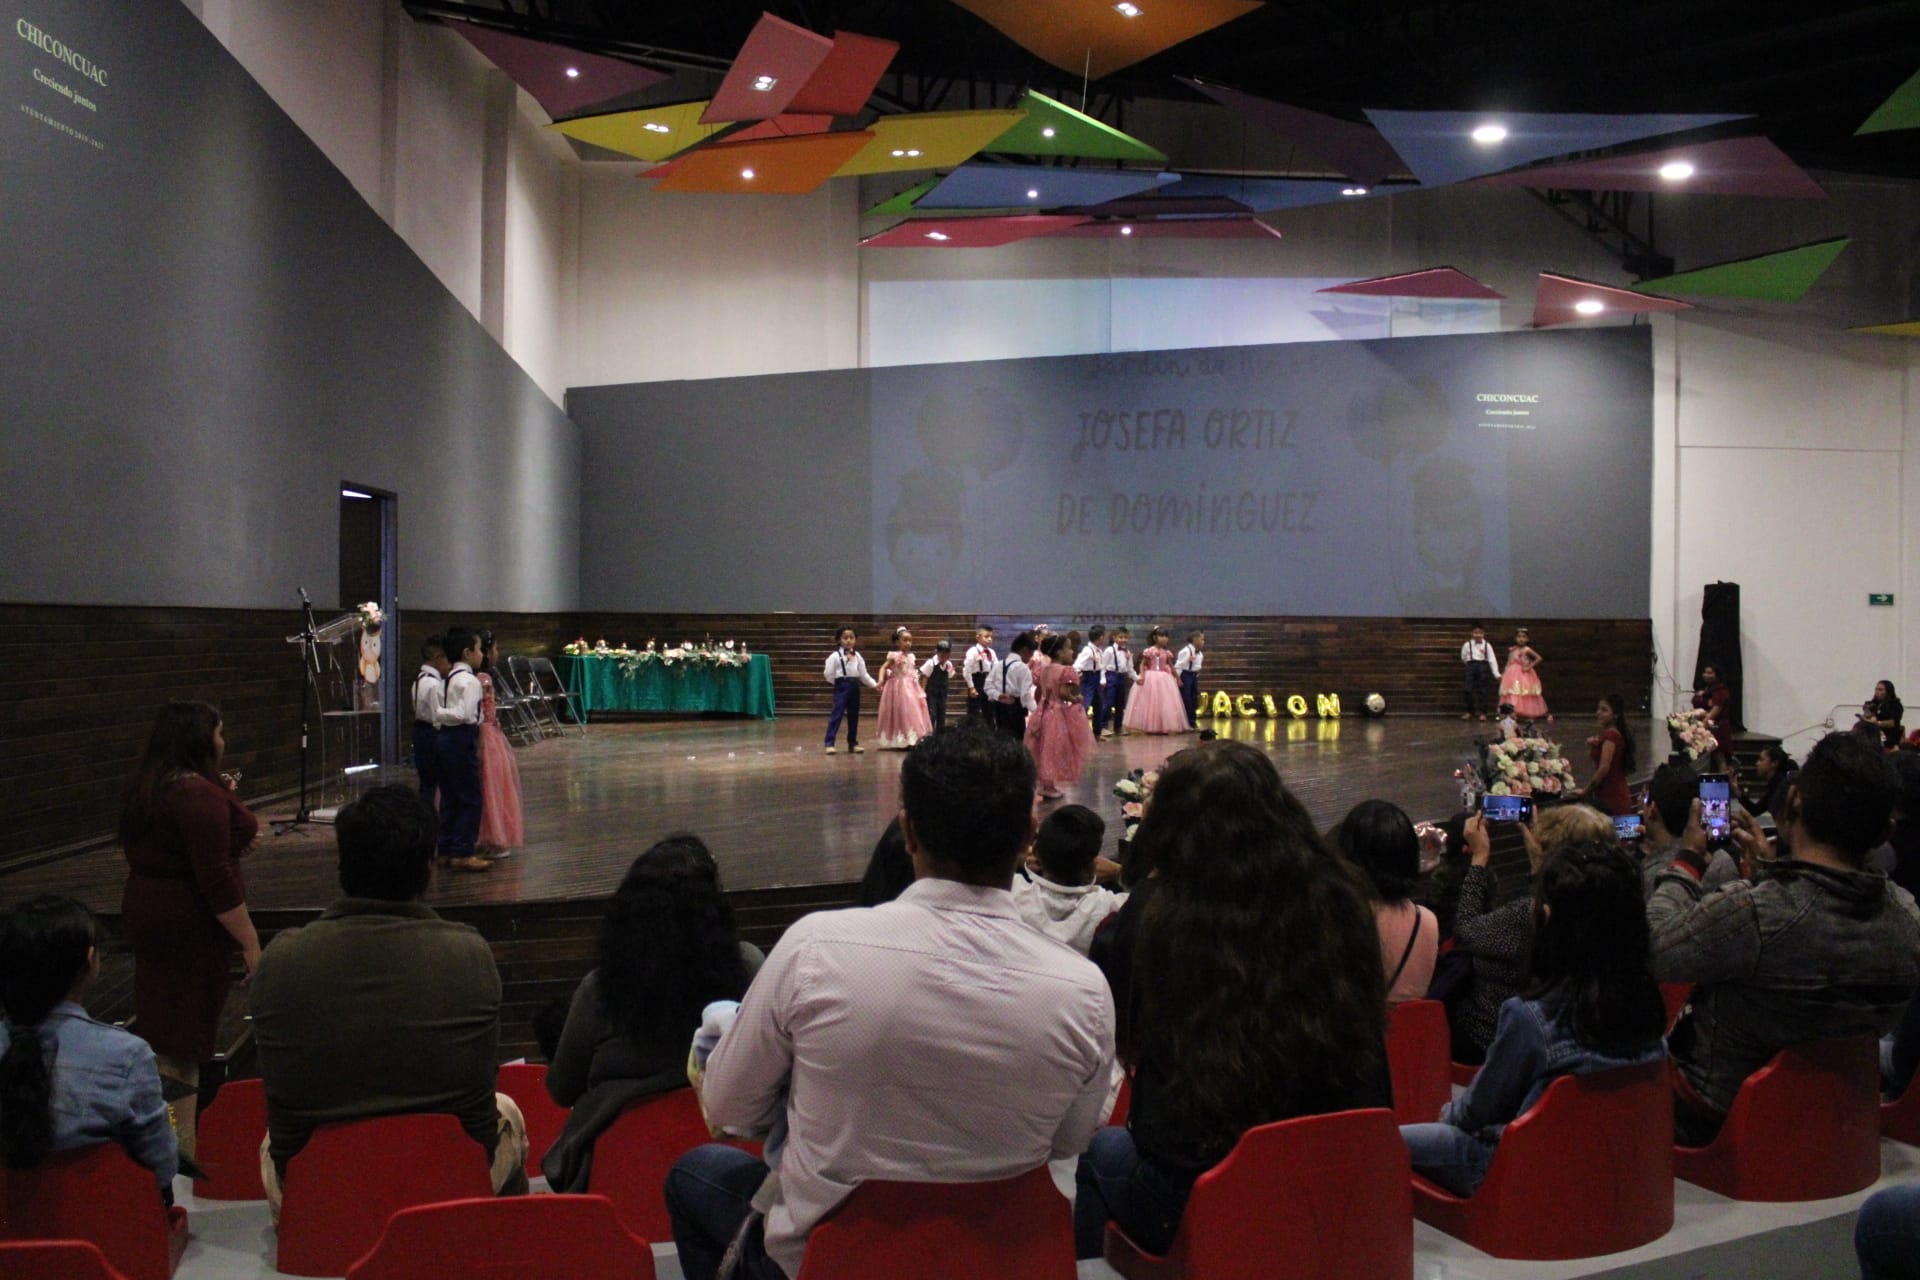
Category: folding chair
[556,691]
[515,720]
[532,696]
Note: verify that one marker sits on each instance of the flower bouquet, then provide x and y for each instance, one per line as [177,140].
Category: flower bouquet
[1525,767]
[370,615]
[1134,790]
[579,648]
[1691,733]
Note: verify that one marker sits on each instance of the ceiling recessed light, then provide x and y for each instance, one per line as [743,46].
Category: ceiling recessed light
[1589,306]
[1126,231]
[1033,193]
[938,235]
[898,152]
[764,83]
[653,126]
[747,174]
[1047,132]
[1126,10]
[1488,134]
[1353,191]
[912,151]
[1676,171]
[573,73]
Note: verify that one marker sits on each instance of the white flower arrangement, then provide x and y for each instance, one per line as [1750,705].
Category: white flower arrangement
[370,615]
[1691,733]
[1525,767]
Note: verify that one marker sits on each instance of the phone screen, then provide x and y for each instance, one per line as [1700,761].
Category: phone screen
[1506,808]
[1629,826]
[1716,796]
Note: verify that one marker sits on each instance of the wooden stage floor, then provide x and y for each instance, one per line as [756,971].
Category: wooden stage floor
[779,812]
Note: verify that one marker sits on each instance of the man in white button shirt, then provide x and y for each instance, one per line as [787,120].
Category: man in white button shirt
[937,1038]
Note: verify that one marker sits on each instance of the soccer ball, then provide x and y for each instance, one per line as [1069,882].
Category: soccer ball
[1376,705]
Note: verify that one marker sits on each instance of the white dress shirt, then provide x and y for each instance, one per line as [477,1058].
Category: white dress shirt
[429,694]
[936,1038]
[1190,659]
[928,667]
[1479,651]
[462,704]
[979,660]
[841,664]
[1014,678]
[1118,661]
[1089,661]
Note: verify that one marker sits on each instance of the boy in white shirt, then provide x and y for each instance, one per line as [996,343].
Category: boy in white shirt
[1058,895]
[1117,662]
[429,695]
[978,663]
[458,755]
[1010,687]
[937,671]
[1186,665]
[1091,677]
[846,671]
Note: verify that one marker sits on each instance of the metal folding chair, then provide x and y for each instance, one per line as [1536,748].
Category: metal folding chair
[515,719]
[556,691]
[538,705]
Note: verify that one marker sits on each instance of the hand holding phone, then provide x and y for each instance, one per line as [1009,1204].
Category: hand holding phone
[1506,808]
[1716,800]
[1629,827]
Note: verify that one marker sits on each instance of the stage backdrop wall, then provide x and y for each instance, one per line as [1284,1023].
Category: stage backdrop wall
[1498,474]
[209,330]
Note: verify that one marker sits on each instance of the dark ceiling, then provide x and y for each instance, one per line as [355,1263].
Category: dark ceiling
[1812,72]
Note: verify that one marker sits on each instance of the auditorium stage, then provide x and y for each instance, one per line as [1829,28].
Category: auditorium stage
[778,812]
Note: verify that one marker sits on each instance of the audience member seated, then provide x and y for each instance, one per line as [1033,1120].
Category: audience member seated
[1905,835]
[667,949]
[1775,769]
[1883,713]
[936,1038]
[1058,896]
[1886,1238]
[1258,986]
[1497,938]
[380,1007]
[1814,948]
[889,869]
[1438,888]
[1591,1004]
[1673,818]
[1378,837]
[66,1080]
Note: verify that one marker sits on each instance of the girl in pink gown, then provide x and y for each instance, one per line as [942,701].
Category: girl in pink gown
[1059,736]
[501,827]
[1520,683]
[903,704]
[1155,706]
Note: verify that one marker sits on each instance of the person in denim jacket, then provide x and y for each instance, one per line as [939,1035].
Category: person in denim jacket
[65,1080]
[1591,1005]
[1814,948]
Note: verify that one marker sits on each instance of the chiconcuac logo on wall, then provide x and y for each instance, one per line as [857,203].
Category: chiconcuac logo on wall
[72,57]
[64,72]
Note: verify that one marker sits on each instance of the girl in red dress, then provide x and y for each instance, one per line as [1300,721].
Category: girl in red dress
[1612,751]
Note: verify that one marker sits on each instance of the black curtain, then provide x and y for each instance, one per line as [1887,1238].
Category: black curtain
[1720,644]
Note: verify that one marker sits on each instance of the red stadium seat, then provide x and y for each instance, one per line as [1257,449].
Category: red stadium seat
[1014,1229]
[55,1260]
[1123,1104]
[231,1130]
[1588,1170]
[98,1194]
[631,1159]
[1463,1073]
[1674,995]
[1900,1119]
[1417,1047]
[510,1238]
[1804,1127]
[526,1084]
[350,1178]
[1318,1198]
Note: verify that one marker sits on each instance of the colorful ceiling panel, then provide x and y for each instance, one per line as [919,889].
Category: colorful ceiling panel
[1453,146]
[790,125]
[1357,150]
[969,233]
[1901,111]
[561,80]
[1435,282]
[1014,186]
[1096,38]
[774,166]
[1563,300]
[1233,228]
[650,133]
[1902,329]
[929,140]
[900,206]
[774,65]
[1730,167]
[843,83]
[1056,129]
[1773,277]
[1264,195]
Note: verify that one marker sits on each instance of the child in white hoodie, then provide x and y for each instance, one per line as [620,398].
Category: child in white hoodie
[1058,895]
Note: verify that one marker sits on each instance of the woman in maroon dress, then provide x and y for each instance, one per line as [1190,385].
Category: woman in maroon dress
[1716,700]
[1612,752]
[185,911]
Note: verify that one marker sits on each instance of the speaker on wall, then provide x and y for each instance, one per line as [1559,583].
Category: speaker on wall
[1720,644]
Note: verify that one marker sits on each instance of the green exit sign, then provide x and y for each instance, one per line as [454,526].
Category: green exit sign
[1877,597]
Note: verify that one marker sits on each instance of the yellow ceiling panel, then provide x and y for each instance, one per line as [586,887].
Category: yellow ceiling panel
[651,133]
[929,140]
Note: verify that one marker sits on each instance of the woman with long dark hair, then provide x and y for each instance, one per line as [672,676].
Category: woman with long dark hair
[1613,754]
[1378,838]
[185,906]
[65,1080]
[667,948]
[1884,712]
[1257,989]
[1591,1004]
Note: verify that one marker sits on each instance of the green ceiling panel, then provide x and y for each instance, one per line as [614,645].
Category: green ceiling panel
[1056,129]
[1901,111]
[901,205]
[1775,277]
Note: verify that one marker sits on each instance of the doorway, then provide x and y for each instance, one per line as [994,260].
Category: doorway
[369,563]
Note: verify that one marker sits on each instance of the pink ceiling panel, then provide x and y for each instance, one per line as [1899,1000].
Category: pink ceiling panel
[848,77]
[777,55]
[969,233]
[541,68]
[1436,282]
[1558,300]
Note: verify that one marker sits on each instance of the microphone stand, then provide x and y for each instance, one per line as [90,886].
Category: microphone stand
[310,673]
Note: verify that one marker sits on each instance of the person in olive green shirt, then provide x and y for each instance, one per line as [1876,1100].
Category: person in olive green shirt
[380,1007]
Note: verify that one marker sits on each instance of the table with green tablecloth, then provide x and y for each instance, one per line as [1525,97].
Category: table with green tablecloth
[679,686]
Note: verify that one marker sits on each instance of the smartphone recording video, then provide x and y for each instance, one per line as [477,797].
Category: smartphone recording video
[1629,826]
[1716,799]
[1506,808]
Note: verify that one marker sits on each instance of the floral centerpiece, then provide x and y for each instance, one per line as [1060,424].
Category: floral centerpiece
[1134,790]
[1525,767]
[682,657]
[370,615]
[1691,733]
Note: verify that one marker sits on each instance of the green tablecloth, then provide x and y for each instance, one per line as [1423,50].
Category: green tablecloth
[740,691]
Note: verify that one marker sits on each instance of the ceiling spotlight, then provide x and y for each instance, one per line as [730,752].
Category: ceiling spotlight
[1033,193]
[1126,10]
[654,126]
[1589,306]
[764,83]
[747,174]
[938,235]
[1126,231]
[913,151]
[1676,171]
[573,73]
[1488,134]
[1353,191]
[898,152]
[1047,132]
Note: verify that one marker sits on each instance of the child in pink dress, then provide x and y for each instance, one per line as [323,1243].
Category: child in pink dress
[501,826]
[1520,682]
[1155,706]
[903,705]
[1059,736]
